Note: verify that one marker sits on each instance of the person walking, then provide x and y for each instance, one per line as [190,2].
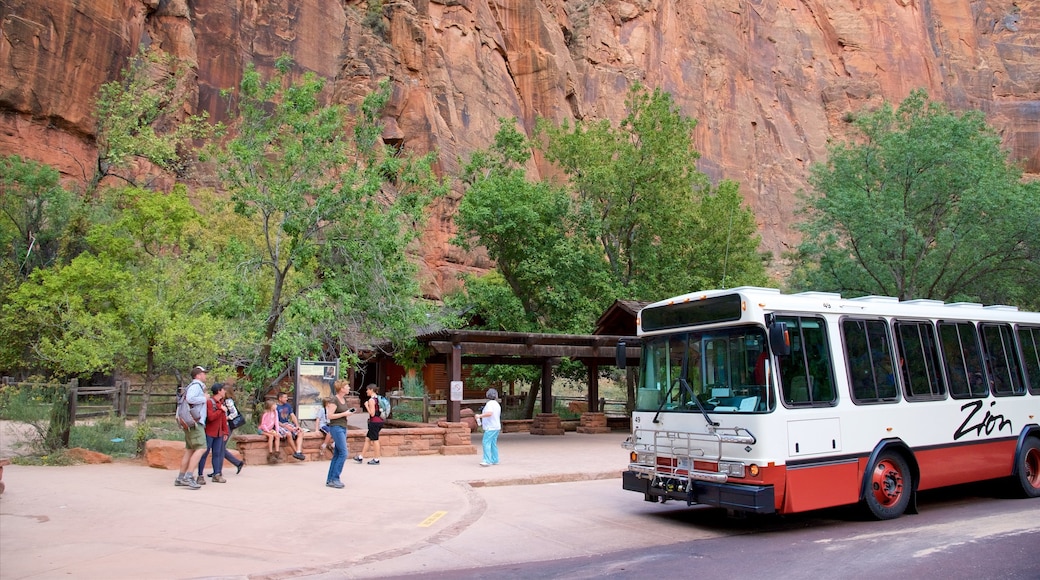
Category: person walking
[375,425]
[491,421]
[336,411]
[195,435]
[216,434]
[222,398]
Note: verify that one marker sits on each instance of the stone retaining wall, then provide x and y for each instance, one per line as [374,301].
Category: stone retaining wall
[443,439]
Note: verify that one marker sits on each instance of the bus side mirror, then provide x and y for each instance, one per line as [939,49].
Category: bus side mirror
[779,339]
[620,357]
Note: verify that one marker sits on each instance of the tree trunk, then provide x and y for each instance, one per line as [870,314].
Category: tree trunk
[149,380]
[272,317]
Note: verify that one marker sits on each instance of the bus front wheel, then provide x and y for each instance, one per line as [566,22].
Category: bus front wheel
[1028,467]
[889,487]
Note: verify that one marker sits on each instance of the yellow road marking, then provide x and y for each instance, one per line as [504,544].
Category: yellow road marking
[432,519]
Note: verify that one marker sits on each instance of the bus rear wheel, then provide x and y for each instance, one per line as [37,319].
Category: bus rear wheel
[1028,467]
[889,487]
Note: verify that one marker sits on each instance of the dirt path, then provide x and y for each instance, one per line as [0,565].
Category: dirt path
[13,436]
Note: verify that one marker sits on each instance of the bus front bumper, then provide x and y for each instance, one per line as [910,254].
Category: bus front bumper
[757,499]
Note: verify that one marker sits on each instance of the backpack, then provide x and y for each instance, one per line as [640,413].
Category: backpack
[384,406]
[187,415]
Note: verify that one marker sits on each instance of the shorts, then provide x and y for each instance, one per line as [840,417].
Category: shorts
[324,430]
[195,437]
[288,429]
[374,428]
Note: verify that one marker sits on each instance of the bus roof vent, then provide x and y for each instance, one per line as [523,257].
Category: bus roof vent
[964,305]
[831,295]
[1002,307]
[924,302]
[761,289]
[878,299]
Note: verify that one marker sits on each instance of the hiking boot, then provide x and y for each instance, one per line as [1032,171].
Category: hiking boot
[272,458]
[335,484]
[201,480]
[373,462]
[299,456]
[188,482]
[218,478]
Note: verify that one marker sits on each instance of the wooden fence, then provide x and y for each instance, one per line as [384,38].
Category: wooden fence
[120,400]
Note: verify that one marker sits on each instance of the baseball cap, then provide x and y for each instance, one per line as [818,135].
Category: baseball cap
[216,388]
[199,369]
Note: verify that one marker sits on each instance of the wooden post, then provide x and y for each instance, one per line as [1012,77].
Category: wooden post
[547,378]
[593,369]
[124,390]
[454,374]
[426,408]
[73,395]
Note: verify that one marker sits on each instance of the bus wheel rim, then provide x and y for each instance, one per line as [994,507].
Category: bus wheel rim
[1032,467]
[887,484]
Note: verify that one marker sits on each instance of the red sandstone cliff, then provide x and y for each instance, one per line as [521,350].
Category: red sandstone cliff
[769,81]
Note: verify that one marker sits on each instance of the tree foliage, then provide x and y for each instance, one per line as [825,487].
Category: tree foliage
[632,219]
[924,204]
[336,211]
[141,115]
[664,229]
[34,211]
[533,232]
[139,300]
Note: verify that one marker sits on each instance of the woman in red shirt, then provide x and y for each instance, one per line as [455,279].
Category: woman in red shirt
[217,433]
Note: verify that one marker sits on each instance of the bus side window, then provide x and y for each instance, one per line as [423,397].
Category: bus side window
[869,355]
[1030,339]
[919,356]
[963,359]
[1002,359]
[806,375]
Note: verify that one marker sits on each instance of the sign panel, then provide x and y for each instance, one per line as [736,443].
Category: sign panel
[314,383]
[456,390]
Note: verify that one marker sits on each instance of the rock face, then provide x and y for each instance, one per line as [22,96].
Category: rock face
[770,81]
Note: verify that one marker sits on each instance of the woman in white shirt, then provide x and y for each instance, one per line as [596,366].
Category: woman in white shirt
[491,421]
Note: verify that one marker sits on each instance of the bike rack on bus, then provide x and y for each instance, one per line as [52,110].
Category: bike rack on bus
[678,445]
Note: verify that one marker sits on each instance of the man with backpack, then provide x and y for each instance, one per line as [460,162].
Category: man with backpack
[191,415]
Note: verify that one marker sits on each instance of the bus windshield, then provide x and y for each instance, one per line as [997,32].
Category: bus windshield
[725,369]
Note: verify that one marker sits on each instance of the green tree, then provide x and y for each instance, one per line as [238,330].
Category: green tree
[533,232]
[141,115]
[34,211]
[662,227]
[336,212]
[924,204]
[140,300]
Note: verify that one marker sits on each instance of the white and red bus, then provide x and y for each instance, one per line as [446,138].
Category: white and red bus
[763,402]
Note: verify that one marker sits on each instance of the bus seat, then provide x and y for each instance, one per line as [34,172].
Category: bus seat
[799,390]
